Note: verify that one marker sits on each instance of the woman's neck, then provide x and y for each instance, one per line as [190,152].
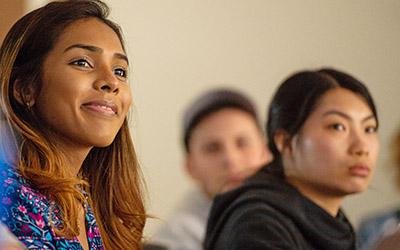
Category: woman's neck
[329,202]
[74,160]
[74,155]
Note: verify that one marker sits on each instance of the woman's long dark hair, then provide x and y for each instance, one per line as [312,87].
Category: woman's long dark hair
[111,175]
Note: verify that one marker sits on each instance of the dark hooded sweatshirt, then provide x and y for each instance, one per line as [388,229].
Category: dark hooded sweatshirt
[268,213]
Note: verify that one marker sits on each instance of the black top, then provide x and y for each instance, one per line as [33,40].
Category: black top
[269,213]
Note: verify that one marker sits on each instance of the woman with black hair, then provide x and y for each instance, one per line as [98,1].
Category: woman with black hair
[322,130]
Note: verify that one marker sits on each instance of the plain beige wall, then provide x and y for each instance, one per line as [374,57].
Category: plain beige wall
[10,10]
[180,48]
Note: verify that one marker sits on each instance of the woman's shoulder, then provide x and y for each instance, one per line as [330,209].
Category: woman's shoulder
[254,224]
[15,188]
[24,210]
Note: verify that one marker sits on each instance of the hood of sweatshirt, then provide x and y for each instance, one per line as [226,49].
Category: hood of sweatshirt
[317,226]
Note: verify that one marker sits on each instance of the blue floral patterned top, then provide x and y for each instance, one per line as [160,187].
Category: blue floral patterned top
[26,212]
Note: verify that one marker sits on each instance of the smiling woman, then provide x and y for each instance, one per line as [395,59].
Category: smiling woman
[65,99]
[322,130]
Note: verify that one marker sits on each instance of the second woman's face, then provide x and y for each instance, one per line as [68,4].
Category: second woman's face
[336,150]
[85,96]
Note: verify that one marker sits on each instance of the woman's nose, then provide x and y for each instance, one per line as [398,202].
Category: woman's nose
[107,83]
[359,146]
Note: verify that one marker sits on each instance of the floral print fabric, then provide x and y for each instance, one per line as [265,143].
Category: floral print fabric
[27,214]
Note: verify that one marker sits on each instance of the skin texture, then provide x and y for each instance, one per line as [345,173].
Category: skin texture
[74,77]
[82,74]
[335,152]
[225,148]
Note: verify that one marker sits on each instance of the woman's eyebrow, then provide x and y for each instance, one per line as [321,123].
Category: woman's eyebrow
[85,47]
[122,57]
[346,116]
[92,48]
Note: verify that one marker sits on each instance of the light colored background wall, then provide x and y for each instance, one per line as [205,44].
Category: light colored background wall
[180,48]
[9,11]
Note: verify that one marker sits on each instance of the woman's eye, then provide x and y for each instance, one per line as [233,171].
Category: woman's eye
[121,72]
[371,129]
[81,63]
[338,126]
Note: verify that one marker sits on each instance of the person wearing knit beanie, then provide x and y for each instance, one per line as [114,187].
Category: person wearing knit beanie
[223,144]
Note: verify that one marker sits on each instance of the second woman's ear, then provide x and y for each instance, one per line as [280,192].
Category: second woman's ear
[280,139]
[24,93]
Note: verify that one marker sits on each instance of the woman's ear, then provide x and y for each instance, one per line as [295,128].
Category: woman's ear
[280,139]
[24,93]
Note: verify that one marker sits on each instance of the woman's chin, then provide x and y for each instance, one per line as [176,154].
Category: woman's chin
[103,142]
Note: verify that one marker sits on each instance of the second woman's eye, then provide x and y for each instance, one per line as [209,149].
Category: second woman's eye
[81,63]
[371,129]
[121,72]
[337,126]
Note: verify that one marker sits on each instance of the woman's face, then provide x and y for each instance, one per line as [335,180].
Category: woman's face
[85,96]
[335,151]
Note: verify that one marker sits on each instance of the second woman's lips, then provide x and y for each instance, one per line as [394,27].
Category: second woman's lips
[102,106]
[360,170]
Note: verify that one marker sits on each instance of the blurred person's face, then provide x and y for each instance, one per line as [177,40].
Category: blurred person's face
[85,95]
[335,152]
[225,148]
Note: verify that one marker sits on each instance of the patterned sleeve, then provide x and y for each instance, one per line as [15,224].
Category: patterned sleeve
[25,212]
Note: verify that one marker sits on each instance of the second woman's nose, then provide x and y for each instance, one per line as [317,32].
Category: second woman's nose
[359,146]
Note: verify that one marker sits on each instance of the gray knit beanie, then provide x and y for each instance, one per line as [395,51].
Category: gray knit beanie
[210,102]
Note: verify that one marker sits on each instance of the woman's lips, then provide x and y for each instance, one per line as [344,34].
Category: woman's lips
[360,170]
[103,107]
